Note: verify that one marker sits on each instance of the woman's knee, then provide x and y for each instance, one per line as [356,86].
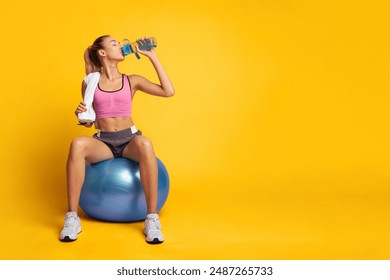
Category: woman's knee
[145,146]
[78,145]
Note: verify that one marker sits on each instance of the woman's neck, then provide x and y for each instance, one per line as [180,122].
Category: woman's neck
[111,72]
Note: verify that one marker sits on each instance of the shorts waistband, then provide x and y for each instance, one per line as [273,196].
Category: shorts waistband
[117,134]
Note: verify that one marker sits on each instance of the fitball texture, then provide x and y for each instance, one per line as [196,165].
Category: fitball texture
[112,190]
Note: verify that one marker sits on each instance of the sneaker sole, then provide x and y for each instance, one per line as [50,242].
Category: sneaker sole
[155,241]
[68,239]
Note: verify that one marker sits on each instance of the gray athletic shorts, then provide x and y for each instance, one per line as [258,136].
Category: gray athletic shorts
[117,140]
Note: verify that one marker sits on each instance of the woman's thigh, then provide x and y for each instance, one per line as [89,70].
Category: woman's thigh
[136,148]
[93,149]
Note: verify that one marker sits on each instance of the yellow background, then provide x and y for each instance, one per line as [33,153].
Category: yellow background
[276,142]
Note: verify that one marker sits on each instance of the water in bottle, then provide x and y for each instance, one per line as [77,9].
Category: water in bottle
[143,44]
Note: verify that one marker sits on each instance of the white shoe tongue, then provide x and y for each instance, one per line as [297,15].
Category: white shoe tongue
[71,214]
[152,216]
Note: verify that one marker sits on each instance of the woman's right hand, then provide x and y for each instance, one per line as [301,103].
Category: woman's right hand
[81,108]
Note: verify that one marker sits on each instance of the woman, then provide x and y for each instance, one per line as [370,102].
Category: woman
[117,135]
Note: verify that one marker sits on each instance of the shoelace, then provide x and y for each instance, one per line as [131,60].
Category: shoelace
[69,221]
[153,224]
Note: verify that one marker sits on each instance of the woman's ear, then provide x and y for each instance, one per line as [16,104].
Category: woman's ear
[102,52]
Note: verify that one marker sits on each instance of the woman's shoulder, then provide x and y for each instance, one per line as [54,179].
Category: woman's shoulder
[134,78]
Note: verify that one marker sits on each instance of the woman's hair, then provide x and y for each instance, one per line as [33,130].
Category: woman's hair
[93,50]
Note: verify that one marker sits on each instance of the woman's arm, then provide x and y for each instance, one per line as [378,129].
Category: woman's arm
[165,89]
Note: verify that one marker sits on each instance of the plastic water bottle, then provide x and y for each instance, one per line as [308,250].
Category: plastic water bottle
[143,44]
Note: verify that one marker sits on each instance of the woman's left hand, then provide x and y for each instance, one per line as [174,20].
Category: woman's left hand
[151,53]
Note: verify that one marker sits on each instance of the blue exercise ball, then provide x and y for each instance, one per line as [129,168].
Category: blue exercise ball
[112,190]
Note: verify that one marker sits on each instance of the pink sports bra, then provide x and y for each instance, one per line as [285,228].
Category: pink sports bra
[113,104]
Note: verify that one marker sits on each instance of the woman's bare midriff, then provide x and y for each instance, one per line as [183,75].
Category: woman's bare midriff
[113,124]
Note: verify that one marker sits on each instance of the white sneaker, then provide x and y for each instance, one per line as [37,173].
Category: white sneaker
[71,227]
[152,229]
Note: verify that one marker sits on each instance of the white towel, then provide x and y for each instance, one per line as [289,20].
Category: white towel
[91,81]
